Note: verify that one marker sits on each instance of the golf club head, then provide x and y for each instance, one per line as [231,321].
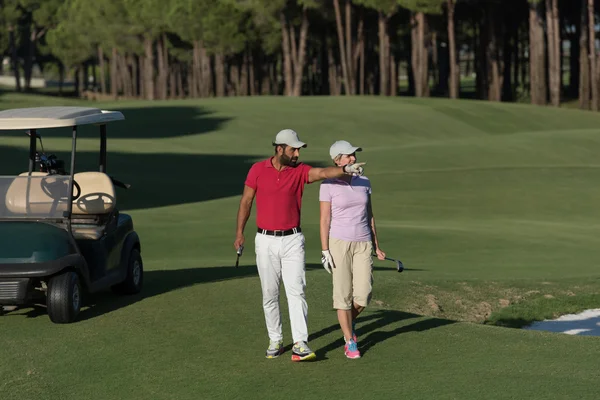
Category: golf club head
[399,266]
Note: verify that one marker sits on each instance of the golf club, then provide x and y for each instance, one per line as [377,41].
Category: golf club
[239,253]
[399,265]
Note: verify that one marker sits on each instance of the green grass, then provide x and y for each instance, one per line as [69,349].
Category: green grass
[491,207]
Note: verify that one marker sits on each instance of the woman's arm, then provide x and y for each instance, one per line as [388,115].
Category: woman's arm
[380,254]
[325,223]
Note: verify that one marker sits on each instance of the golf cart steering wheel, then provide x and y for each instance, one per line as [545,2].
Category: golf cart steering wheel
[48,190]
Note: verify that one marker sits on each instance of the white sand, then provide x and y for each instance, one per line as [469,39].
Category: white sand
[586,323]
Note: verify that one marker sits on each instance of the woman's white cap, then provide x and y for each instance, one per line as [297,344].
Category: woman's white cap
[342,147]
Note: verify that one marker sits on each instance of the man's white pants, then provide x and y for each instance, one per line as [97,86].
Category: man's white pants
[280,257]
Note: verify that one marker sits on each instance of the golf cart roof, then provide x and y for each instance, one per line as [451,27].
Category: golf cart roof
[55,117]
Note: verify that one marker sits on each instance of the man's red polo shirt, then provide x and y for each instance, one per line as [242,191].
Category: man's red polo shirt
[278,194]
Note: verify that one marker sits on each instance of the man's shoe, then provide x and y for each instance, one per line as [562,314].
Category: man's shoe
[275,349]
[351,349]
[301,352]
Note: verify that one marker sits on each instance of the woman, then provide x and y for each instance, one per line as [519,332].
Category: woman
[348,237]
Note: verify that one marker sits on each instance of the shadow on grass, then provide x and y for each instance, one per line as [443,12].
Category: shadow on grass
[370,329]
[161,282]
[158,282]
[151,122]
[164,281]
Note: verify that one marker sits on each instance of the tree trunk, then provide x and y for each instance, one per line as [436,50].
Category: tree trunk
[14,57]
[342,46]
[207,87]
[482,70]
[123,75]
[350,50]
[508,53]
[414,58]
[287,56]
[420,59]
[537,57]
[383,62]
[584,61]
[163,64]
[393,77]
[142,64]
[28,65]
[160,90]
[61,77]
[592,55]
[80,79]
[172,82]
[101,68]
[299,59]
[192,85]
[332,72]
[149,68]
[220,75]
[454,67]
[244,75]
[114,86]
[133,61]
[435,61]
[516,62]
[494,92]
[558,53]
[360,56]
[180,91]
[553,51]
[251,73]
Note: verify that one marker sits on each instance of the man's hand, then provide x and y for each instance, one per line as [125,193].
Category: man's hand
[239,241]
[354,169]
[327,260]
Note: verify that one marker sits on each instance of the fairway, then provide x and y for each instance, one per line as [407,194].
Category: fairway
[491,207]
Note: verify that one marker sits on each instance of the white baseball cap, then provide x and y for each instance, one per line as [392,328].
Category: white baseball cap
[342,147]
[289,137]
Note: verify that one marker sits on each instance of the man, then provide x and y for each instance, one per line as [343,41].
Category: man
[278,184]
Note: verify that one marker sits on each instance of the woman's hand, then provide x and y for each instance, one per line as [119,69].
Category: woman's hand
[380,254]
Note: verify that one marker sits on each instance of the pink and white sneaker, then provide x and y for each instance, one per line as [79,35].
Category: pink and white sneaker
[351,349]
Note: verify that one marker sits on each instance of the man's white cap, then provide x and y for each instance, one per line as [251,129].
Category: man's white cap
[289,137]
[342,147]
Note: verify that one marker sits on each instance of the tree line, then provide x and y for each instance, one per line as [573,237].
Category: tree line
[539,51]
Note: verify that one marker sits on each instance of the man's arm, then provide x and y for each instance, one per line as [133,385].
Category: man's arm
[243,215]
[319,174]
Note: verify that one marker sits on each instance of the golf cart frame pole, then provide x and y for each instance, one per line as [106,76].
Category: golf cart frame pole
[103,148]
[72,176]
[32,149]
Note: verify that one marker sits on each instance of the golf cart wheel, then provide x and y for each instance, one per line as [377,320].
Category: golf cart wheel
[64,298]
[135,275]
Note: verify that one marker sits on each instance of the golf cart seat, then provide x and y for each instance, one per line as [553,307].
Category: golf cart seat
[37,195]
[34,173]
[94,206]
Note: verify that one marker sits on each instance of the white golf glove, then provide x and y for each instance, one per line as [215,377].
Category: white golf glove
[354,169]
[327,260]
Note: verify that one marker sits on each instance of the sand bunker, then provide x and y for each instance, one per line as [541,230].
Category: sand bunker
[586,323]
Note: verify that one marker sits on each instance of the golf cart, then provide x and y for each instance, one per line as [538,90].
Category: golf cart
[61,233]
